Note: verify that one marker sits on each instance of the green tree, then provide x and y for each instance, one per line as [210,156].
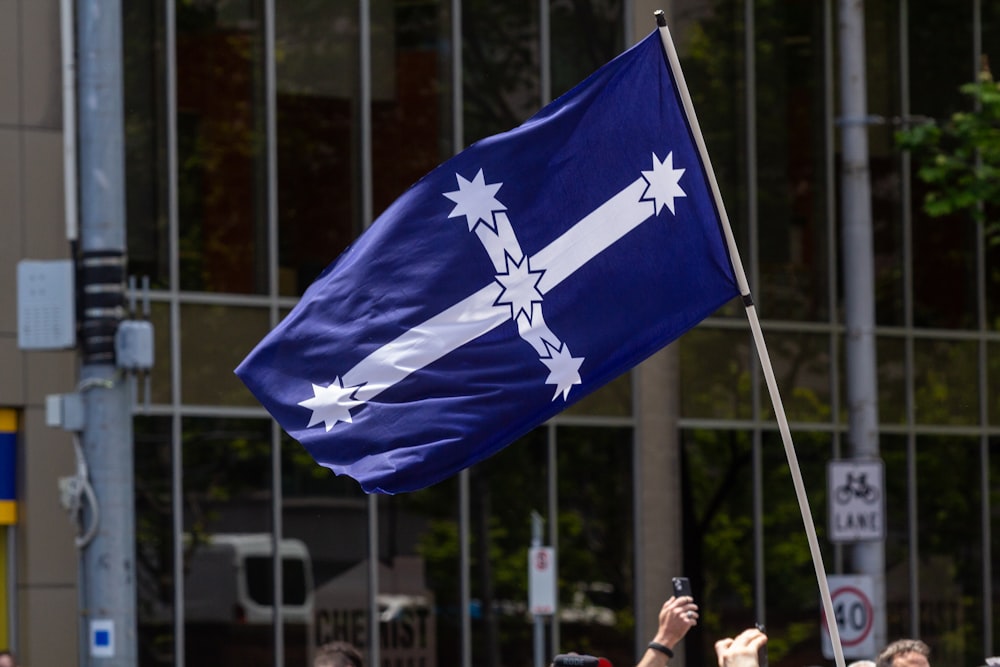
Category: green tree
[959,159]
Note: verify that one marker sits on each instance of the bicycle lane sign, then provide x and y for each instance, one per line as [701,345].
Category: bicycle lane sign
[856,500]
[851,596]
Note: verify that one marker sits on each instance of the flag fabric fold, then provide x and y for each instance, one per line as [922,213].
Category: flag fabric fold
[506,284]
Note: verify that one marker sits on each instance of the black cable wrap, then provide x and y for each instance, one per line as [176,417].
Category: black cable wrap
[102,295]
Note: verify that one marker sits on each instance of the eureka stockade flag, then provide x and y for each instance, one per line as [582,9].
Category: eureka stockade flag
[507,283]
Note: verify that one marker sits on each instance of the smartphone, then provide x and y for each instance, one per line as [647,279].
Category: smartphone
[576,660]
[682,586]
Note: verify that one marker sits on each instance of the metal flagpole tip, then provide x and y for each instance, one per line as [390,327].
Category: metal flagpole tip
[661,19]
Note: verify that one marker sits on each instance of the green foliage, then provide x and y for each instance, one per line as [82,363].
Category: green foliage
[960,159]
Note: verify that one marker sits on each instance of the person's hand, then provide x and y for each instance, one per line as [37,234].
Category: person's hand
[742,650]
[677,616]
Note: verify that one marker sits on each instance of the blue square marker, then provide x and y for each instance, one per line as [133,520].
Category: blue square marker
[102,638]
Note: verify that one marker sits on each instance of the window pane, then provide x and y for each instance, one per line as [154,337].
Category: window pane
[584,37]
[991,50]
[500,66]
[881,40]
[411,101]
[992,371]
[317,80]
[714,374]
[992,286]
[220,124]
[145,142]
[891,354]
[946,381]
[214,340]
[893,451]
[161,376]
[791,178]
[944,287]
[944,283]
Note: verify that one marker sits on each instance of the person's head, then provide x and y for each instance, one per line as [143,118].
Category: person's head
[905,653]
[7,659]
[335,654]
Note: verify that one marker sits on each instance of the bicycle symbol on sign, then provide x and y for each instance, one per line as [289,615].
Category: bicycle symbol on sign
[856,486]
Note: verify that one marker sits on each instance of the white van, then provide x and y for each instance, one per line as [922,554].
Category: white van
[229,578]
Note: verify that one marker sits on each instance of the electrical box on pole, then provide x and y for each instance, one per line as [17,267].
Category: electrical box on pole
[46,305]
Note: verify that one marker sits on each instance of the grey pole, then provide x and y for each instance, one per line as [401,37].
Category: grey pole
[859,280]
[539,624]
[108,605]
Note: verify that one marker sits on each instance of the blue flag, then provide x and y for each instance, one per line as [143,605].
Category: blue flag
[506,284]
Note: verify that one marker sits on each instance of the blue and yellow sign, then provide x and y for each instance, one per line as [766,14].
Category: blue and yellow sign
[8,467]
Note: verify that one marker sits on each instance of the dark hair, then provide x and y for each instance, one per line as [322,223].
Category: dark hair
[899,647]
[337,654]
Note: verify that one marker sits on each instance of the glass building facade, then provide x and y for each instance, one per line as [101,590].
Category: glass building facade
[262,136]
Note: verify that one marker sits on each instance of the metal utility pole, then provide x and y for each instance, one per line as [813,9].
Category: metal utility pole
[107,598]
[859,279]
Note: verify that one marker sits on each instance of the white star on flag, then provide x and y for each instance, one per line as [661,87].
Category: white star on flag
[564,369]
[520,287]
[475,200]
[331,404]
[663,183]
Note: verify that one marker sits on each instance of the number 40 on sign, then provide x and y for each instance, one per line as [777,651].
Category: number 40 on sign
[855,616]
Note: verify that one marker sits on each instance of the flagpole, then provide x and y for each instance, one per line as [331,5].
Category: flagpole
[758,336]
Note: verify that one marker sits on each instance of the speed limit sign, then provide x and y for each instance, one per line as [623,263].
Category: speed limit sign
[542,580]
[855,616]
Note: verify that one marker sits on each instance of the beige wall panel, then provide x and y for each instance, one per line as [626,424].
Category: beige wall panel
[11,371]
[47,633]
[41,65]
[43,215]
[47,553]
[10,89]
[48,373]
[10,217]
